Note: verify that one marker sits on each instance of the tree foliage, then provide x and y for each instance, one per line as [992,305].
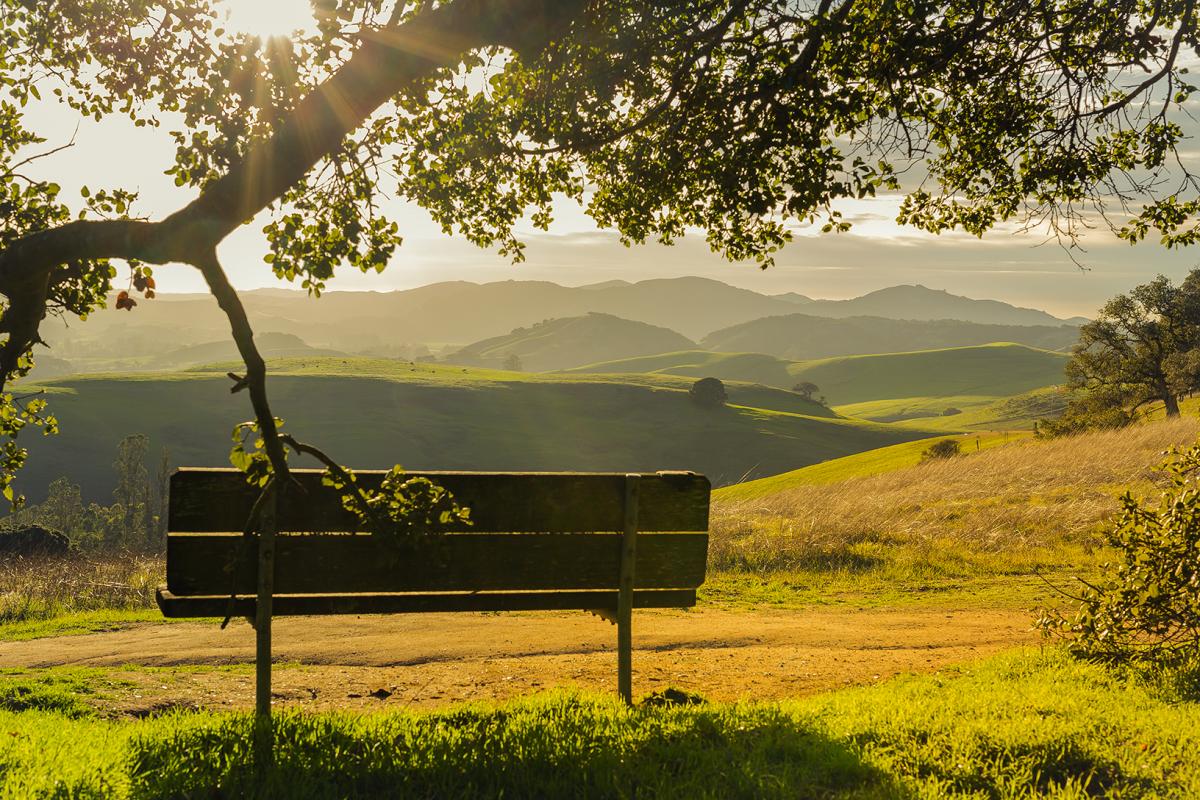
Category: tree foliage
[708,393]
[806,389]
[739,118]
[1143,347]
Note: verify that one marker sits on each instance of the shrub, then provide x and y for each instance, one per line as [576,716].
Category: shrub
[1094,411]
[951,411]
[943,448]
[708,393]
[1147,606]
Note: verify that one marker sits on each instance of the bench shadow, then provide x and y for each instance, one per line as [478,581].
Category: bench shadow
[543,747]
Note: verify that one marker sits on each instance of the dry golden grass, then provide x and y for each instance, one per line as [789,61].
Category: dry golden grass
[41,588]
[1010,509]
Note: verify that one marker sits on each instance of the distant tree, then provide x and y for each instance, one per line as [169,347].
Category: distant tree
[943,448]
[806,389]
[951,411]
[708,393]
[132,493]
[156,521]
[512,362]
[63,508]
[1141,348]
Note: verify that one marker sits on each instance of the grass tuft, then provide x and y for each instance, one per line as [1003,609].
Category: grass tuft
[33,589]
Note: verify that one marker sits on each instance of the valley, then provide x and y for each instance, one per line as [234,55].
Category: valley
[592,391]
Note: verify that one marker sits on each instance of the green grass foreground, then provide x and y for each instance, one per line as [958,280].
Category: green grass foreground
[1021,725]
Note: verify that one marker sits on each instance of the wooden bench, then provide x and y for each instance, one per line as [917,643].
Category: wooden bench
[605,542]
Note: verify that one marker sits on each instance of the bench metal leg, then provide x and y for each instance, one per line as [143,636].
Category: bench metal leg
[625,592]
[263,732]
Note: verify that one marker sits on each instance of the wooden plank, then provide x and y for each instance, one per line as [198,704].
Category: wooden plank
[216,500]
[313,604]
[335,563]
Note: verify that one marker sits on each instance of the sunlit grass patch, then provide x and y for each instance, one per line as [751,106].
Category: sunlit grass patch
[1021,725]
[33,589]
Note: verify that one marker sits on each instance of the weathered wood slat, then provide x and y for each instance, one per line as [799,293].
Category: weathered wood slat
[216,500]
[332,563]
[315,604]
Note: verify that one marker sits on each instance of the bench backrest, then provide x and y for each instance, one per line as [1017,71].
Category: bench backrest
[529,532]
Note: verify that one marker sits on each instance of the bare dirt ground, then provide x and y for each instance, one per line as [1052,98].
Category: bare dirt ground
[427,660]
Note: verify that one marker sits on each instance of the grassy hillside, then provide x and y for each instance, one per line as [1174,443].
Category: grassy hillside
[804,336]
[995,520]
[570,342]
[375,413]
[982,382]
[861,465]
[995,370]
[752,367]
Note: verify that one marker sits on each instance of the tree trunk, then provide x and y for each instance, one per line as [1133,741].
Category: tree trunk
[1171,403]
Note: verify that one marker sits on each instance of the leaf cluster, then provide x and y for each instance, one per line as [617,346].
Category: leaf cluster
[402,509]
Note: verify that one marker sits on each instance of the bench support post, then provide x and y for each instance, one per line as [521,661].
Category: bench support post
[262,614]
[625,591]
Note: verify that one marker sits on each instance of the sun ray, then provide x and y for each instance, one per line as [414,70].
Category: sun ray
[267,18]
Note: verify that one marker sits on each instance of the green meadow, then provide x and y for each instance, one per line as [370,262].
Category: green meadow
[1025,724]
[377,413]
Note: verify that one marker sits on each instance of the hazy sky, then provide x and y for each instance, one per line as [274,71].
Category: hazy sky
[1018,268]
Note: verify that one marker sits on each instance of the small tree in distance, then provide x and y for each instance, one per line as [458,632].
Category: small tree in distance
[512,362]
[708,393]
[806,389]
[941,449]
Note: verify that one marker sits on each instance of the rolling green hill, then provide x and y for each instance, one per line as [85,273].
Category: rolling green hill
[375,413]
[753,367]
[805,336]
[859,465]
[571,341]
[916,388]
[992,371]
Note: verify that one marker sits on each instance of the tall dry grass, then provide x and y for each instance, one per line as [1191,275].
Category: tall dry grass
[41,588]
[1009,506]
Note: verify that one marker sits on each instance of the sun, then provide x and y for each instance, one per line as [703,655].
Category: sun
[267,18]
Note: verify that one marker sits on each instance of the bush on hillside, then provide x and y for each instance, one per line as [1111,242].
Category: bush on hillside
[943,448]
[708,393]
[1095,411]
[951,412]
[1147,606]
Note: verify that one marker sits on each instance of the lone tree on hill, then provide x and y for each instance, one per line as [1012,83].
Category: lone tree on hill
[708,393]
[1141,348]
[806,389]
[740,118]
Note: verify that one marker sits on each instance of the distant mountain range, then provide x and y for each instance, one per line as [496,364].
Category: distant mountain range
[564,343]
[449,317]
[921,303]
[803,336]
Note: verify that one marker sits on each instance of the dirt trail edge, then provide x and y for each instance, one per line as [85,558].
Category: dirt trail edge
[432,659]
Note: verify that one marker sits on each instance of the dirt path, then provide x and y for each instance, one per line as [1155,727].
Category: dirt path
[432,659]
